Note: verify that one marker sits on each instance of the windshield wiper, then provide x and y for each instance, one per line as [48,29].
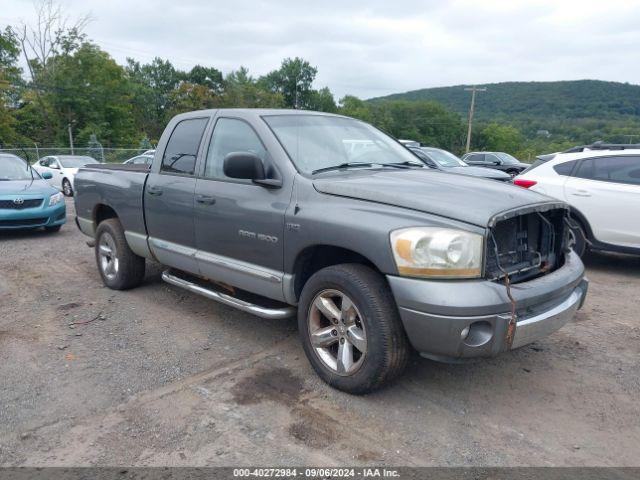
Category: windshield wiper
[406,164]
[342,166]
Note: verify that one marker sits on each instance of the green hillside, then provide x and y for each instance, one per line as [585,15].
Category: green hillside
[525,101]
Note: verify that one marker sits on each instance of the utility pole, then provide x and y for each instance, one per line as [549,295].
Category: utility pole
[70,138]
[473,91]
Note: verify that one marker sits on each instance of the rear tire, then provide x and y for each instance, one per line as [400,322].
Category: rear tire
[350,328]
[67,189]
[119,267]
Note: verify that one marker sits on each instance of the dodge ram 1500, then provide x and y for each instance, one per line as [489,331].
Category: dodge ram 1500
[278,212]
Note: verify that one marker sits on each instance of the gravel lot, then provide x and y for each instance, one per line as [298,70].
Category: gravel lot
[158,376]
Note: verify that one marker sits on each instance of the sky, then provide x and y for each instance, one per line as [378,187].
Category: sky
[374,47]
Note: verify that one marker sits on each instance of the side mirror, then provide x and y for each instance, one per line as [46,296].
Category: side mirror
[47,175]
[243,165]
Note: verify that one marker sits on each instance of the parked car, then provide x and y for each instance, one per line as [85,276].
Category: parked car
[140,160]
[63,169]
[496,160]
[601,183]
[448,162]
[26,199]
[375,252]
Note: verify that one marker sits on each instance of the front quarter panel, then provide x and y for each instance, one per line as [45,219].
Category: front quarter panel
[361,226]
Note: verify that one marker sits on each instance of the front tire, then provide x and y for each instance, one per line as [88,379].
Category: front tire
[119,267]
[350,328]
[54,229]
[67,189]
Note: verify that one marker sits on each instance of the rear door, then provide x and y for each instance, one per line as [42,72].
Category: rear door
[239,225]
[168,197]
[606,190]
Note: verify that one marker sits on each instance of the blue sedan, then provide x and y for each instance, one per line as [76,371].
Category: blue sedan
[26,199]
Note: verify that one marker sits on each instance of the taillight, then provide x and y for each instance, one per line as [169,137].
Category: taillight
[521,182]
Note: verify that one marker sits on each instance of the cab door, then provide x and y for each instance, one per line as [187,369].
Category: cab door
[168,196]
[606,190]
[239,225]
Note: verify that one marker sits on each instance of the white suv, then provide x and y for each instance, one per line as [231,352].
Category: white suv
[601,183]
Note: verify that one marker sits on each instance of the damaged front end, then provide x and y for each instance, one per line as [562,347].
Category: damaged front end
[524,244]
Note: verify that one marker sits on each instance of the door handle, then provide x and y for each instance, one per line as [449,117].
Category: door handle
[581,193]
[205,199]
[154,191]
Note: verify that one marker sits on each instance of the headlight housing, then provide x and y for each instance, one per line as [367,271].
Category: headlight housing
[437,252]
[55,199]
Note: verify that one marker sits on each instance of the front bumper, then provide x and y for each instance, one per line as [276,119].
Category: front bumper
[43,216]
[451,320]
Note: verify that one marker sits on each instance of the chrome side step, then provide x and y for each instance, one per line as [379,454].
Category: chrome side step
[264,312]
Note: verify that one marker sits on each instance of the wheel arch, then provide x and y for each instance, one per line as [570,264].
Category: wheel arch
[582,220]
[316,257]
[102,212]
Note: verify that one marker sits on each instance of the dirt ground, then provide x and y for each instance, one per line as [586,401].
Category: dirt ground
[158,376]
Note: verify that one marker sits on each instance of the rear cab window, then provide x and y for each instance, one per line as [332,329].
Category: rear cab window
[182,148]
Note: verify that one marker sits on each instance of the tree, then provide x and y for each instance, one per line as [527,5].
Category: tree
[191,96]
[322,100]
[151,86]
[89,88]
[207,77]
[500,138]
[293,80]
[242,91]
[9,81]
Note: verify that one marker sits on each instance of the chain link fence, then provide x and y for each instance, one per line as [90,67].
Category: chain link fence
[107,155]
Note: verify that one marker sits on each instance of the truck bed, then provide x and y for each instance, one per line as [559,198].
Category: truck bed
[113,186]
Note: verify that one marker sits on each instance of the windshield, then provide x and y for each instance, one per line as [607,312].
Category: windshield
[315,142]
[14,168]
[444,158]
[507,159]
[76,162]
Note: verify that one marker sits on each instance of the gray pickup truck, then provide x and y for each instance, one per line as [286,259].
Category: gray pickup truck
[278,211]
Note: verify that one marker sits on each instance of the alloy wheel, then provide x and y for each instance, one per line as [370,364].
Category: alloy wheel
[337,332]
[108,255]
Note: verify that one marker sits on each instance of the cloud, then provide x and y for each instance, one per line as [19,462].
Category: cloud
[375,47]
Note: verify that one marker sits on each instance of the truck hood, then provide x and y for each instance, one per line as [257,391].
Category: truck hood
[26,187]
[459,197]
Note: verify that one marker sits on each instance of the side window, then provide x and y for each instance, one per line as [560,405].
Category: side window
[44,162]
[231,135]
[565,168]
[53,163]
[476,157]
[182,148]
[585,169]
[490,158]
[623,169]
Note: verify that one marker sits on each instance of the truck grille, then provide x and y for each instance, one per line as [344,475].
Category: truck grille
[28,203]
[526,246]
